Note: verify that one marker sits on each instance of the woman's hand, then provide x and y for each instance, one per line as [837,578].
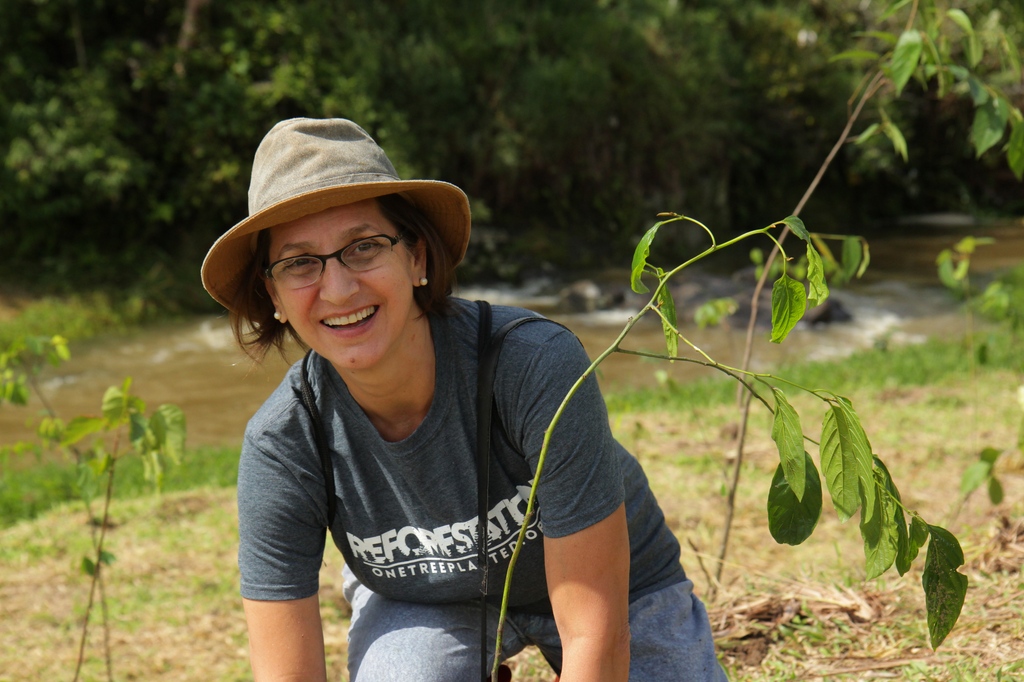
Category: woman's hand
[588,582]
[286,640]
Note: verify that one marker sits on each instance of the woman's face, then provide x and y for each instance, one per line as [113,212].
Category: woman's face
[355,320]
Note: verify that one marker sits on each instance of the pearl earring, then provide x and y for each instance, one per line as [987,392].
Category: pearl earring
[423,281]
[277,316]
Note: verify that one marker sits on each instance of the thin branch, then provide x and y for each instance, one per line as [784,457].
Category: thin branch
[188,29]
[731,500]
[870,91]
[97,569]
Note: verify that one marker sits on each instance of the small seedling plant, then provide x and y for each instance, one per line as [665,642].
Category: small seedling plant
[97,444]
[857,480]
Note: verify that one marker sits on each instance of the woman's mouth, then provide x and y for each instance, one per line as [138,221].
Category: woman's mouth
[354,318]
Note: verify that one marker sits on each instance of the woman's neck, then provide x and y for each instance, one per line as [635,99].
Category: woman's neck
[397,395]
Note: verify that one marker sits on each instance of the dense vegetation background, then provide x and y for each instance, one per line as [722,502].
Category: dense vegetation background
[127,128]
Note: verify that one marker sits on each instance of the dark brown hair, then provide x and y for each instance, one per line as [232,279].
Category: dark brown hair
[252,316]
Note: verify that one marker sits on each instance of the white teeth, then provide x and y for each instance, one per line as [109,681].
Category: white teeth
[350,319]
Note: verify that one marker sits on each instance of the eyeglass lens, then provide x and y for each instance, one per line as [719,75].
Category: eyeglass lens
[360,255]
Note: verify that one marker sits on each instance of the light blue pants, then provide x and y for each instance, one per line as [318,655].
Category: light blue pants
[670,638]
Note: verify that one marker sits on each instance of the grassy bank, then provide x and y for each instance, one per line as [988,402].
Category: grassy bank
[28,492]
[75,317]
[780,612]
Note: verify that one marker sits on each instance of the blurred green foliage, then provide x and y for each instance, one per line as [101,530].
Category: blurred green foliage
[127,128]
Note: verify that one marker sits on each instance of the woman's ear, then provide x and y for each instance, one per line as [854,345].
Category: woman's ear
[272,291]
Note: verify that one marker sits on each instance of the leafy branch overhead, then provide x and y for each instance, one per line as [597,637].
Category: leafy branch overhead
[945,51]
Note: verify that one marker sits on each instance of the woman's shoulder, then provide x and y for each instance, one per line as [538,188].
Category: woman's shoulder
[281,406]
[538,330]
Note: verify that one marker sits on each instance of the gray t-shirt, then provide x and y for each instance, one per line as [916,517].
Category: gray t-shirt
[407,510]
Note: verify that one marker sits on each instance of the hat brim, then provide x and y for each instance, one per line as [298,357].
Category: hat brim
[444,204]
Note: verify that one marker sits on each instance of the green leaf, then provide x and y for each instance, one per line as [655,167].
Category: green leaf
[905,58]
[711,313]
[643,250]
[60,347]
[668,322]
[974,476]
[846,461]
[868,133]
[1015,150]
[947,271]
[864,260]
[906,551]
[851,258]
[789,301]
[973,50]
[969,244]
[168,424]
[816,285]
[880,532]
[115,407]
[944,586]
[152,469]
[80,427]
[899,143]
[1012,54]
[88,566]
[995,490]
[979,94]
[989,124]
[989,455]
[791,520]
[106,558]
[789,438]
[137,429]
[961,20]
[894,7]
[99,462]
[796,226]
[884,36]
[855,56]
[918,532]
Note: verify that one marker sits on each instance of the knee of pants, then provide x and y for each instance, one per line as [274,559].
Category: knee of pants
[391,640]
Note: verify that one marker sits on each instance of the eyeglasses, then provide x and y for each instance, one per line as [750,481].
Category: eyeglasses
[361,255]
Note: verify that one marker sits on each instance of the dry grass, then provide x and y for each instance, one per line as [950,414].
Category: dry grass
[779,613]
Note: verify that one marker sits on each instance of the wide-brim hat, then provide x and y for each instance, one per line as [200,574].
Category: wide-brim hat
[304,166]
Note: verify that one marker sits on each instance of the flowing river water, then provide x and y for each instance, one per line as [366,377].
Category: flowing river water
[196,365]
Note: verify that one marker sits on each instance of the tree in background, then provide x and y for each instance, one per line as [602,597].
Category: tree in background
[127,128]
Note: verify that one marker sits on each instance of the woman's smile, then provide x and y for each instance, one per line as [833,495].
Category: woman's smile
[349,320]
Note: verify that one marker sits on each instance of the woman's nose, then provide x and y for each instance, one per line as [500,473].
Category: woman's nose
[338,281]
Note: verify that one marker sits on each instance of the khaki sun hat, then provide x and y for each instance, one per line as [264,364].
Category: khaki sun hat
[304,166]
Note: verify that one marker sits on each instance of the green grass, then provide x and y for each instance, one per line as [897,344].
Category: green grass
[27,492]
[880,368]
[73,317]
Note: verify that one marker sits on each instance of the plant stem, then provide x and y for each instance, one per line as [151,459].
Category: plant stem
[521,539]
[98,566]
[731,500]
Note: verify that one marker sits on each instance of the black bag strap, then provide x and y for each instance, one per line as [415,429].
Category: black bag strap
[321,441]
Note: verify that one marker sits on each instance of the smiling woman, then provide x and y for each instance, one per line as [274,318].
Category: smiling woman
[374,436]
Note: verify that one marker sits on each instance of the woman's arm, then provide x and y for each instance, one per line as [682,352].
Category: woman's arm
[286,640]
[588,582]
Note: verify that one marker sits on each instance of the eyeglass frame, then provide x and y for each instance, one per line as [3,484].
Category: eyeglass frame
[268,271]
